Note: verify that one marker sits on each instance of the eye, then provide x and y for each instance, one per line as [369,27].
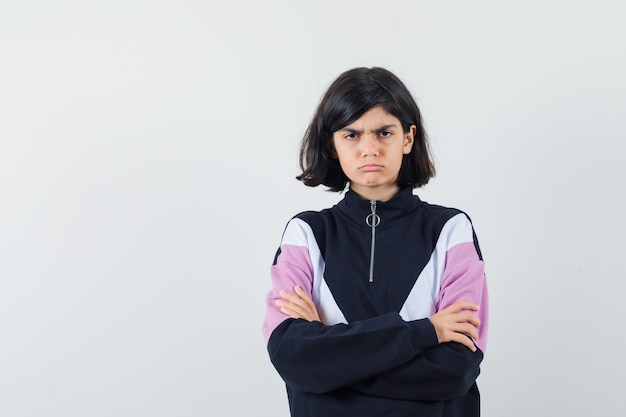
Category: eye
[385,133]
[350,136]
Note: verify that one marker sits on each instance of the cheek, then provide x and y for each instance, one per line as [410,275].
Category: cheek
[344,160]
[344,155]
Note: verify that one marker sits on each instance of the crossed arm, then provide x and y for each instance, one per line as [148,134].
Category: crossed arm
[455,323]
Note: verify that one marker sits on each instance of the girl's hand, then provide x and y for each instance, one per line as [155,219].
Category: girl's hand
[455,322]
[298,305]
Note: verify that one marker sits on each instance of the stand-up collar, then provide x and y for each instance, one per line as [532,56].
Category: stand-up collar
[398,206]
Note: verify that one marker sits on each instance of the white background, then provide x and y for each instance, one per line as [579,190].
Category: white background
[147,160]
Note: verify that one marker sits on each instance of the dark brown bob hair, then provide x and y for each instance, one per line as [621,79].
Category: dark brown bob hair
[352,94]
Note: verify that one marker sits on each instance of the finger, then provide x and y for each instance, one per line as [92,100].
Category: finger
[468,330]
[459,306]
[475,321]
[465,341]
[300,294]
[299,305]
[291,313]
[307,303]
[292,298]
[303,294]
[467,317]
[469,343]
[288,304]
[462,317]
[463,305]
[298,309]
[287,295]
[298,289]
[294,311]
[462,326]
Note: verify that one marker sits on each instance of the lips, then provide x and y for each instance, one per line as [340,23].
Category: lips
[371,167]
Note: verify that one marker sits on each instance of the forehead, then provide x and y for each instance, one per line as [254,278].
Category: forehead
[375,117]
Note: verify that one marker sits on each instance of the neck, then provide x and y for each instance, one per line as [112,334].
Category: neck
[375,194]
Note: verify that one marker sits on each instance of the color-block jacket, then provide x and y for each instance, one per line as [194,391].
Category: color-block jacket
[376,271]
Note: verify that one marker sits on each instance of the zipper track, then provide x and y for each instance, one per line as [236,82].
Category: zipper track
[372,221]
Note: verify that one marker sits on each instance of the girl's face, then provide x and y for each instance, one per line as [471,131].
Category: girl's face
[370,153]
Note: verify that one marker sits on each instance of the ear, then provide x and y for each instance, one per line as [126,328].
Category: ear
[330,145]
[409,138]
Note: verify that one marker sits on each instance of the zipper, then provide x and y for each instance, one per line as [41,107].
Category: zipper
[372,221]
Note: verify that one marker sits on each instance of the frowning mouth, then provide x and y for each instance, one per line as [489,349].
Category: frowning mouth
[371,167]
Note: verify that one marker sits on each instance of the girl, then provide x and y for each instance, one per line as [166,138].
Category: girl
[378,305]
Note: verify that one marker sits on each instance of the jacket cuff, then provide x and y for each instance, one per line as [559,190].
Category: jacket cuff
[425,335]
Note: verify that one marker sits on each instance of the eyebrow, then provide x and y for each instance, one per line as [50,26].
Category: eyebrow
[357,131]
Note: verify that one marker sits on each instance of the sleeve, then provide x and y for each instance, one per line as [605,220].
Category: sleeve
[442,373]
[317,358]
[447,370]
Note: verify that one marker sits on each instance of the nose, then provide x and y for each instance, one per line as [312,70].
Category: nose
[369,145]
